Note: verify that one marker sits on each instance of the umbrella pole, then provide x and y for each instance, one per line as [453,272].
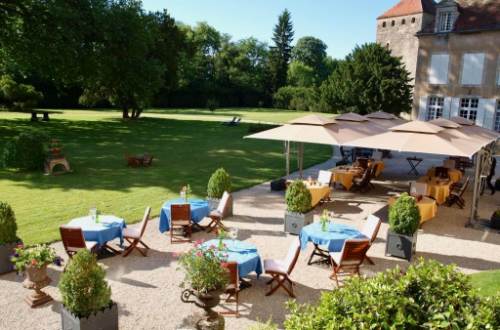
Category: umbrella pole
[287,157]
[301,158]
[477,186]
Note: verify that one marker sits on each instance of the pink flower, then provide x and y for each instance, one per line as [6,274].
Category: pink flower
[199,254]
[198,242]
[211,247]
[34,262]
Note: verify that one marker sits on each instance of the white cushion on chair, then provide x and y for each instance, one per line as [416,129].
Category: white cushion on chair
[275,266]
[324,177]
[371,224]
[337,256]
[131,233]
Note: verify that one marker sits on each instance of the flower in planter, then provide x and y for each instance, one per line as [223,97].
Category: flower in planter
[203,269]
[36,256]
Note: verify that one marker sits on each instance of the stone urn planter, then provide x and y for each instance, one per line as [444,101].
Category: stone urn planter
[36,280]
[106,319]
[6,251]
[295,221]
[209,320]
[401,246]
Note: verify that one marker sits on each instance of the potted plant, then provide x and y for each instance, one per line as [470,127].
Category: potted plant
[8,237]
[86,296]
[495,220]
[205,279]
[298,205]
[33,261]
[404,219]
[217,184]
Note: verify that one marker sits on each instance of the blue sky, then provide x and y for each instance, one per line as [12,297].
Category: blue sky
[341,24]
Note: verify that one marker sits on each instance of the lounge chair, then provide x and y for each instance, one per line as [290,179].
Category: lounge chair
[370,230]
[74,241]
[134,236]
[350,258]
[233,122]
[180,218]
[217,215]
[280,270]
[233,287]
[456,197]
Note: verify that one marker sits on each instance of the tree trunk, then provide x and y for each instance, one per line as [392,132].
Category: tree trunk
[125,113]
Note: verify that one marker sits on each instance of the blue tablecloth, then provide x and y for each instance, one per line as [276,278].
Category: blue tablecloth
[244,253]
[199,210]
[107,229]
[334,237]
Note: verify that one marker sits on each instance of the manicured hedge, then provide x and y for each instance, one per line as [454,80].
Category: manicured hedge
[428,295]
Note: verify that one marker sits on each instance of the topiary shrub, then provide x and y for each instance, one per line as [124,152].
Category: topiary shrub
[218,183]
[26,151]
[428,296]
[8,226]
[404,216]
[298,197]
[83,287]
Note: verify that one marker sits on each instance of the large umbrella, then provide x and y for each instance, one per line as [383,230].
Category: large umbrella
[466,129]
[385,119]
[420,137]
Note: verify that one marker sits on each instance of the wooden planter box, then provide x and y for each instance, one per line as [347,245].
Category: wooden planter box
[401,246]
[6,252]
[295,221]
[106,319]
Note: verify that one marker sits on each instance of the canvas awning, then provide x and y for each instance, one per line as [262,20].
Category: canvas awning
[385,119]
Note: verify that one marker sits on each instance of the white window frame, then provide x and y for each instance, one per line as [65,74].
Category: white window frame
[445,21]
[432,76]
[496,122]
[435,107]
[469,108]
[477,72]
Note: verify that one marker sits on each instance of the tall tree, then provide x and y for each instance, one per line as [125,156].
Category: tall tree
[370,79]
[282,50]
[311,51]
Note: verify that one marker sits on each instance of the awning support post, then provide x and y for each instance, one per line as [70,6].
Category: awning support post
[287,157]
[300,146]
[477,186]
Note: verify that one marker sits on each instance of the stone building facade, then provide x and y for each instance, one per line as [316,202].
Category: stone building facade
[458,62]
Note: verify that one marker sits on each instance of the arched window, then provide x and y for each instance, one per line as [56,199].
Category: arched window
[403,21]
[413,20]
[383,24]
[393,23]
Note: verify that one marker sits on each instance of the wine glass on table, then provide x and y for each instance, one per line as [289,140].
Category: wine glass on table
[233,234]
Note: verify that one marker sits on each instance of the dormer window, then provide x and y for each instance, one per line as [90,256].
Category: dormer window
[445,21]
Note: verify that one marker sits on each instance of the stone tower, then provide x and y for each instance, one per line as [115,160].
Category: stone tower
[397,28]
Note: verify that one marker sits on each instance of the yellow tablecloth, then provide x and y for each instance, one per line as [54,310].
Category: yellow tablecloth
[345,176]
[438,191]
[426,206]
[455,175]
[318,192]
[380,167]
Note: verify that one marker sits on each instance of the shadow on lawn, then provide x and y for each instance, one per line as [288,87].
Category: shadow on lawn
[185,152]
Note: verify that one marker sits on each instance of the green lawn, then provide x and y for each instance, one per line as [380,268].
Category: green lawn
[487,283]
[186,151]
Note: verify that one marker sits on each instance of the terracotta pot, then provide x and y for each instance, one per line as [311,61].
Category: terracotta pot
[36,280]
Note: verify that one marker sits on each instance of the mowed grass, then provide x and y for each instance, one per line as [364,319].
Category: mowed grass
[95,142]
[487,283]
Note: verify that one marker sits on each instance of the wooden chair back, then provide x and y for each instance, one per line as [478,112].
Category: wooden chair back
[362,162]
[418,188]
[371,227]
[223,203]
[464,186]
[145,219]
[354,252]
[292,256]
[232,269]
[180,212]
[325,177]
[442,172]
[72,238]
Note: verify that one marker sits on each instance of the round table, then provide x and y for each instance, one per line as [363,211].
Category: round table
[199,210]
[243,253]
[427,208]
[454,174]
[318,191]
[345,176]
[333,238]
[437,190]
[106,229]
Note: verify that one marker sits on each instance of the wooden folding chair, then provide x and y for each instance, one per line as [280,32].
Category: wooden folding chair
[280,270]
[134,236]
[217,215]
[457,196]
[180,218]
[73,240]
[370,230]
[350,258]
[233,287]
